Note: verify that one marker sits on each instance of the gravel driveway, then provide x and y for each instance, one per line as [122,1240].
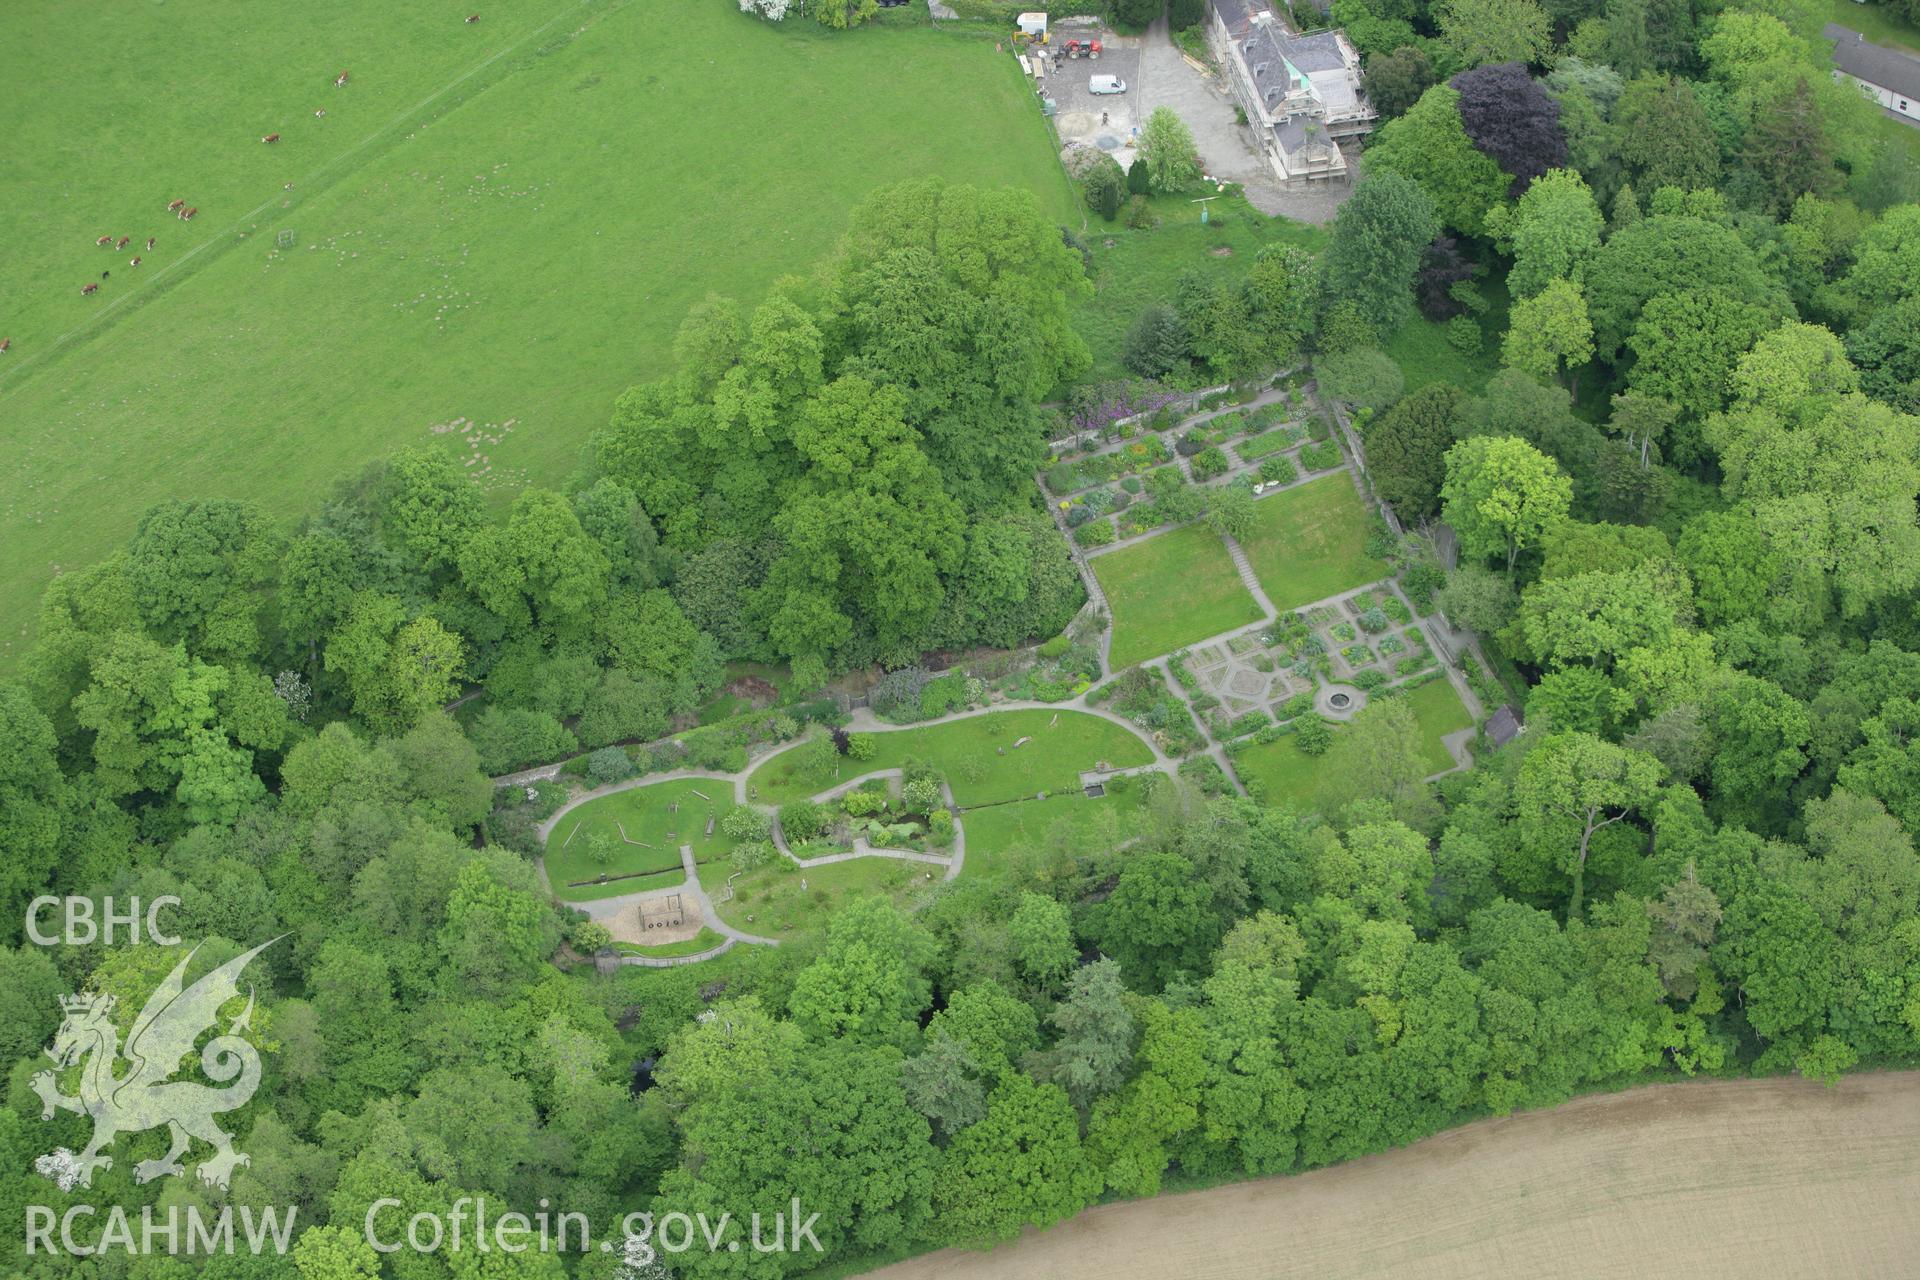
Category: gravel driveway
[1167,79]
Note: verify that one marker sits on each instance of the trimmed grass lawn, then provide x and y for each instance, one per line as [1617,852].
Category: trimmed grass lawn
[705,940]
[1903,138]
[498,225]
[1876,23]
[643,814]
[1310,542]
[1279,773]
[1439,711]
[967,753]
[771,903]
[1173,589]
[1421,349]
[1142,267]
[1005,838]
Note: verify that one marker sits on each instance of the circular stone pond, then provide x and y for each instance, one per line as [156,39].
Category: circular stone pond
[1339,701]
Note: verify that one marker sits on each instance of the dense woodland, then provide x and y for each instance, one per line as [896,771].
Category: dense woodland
[1685,512]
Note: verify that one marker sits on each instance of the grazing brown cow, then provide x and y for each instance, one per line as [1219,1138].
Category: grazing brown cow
[340,80]
[124,241]
[92,288]
[187,215]
[104,241]
[135,262]
[473,17]
[149,244]
[321,112]
[6,344]
[176,206]
[272,137]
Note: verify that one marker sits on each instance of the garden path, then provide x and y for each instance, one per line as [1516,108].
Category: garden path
[606,909]
[707,913]
[1238,555]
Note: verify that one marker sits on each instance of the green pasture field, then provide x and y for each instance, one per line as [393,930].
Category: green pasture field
[493,230]
[1310,542]
[967,753]
[1171,590]
[643,814]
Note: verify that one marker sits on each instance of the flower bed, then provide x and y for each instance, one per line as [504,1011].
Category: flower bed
[1142,696]
[1262,446]
[1064,477]
[1322,456]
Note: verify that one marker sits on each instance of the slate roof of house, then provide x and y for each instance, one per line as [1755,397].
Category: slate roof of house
[1236,14]
[1319,52]
[1503,726]
[1265,62]
[1296,133]
[1875,64]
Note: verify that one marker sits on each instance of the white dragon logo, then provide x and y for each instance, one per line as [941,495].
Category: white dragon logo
[147,1097]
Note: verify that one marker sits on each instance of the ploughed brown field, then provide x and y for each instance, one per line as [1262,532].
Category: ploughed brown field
[1751,1178]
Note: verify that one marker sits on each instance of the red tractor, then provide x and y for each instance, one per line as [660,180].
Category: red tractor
[1080,47]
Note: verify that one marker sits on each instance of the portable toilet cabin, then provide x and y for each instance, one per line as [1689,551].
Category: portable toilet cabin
[1032,25]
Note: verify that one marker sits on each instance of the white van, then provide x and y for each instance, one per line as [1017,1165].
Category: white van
[1106,84]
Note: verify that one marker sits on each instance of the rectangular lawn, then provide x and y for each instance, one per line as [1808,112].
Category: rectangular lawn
[1439,711]
[645,815]
[1279,773]
[1173,589]
[976,756]
[492,230]
[1262,445]
[1310,542]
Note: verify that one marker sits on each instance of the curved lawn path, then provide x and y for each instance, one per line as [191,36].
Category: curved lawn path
[1750,1178]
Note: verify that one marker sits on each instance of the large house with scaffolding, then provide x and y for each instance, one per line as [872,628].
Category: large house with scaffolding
[1301,92]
